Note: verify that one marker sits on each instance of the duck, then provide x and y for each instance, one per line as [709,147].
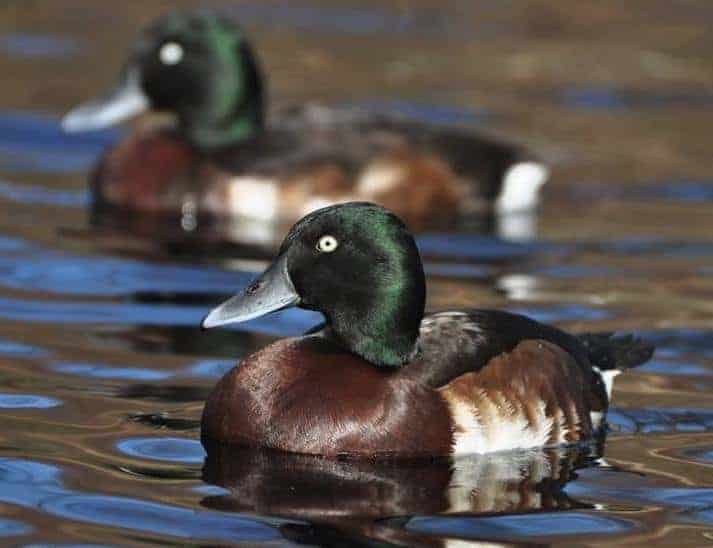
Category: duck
[379,379]
[214,154]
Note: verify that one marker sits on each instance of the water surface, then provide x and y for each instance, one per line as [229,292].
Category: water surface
[104,371]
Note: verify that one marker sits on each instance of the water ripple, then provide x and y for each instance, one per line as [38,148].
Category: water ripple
[481,248]
[700,454]
[39,195]
[27,401]
[287,322]
[660,420]
[13,528]
[179,450]
[39,269]
[107,372]
[522,527]
[35,485]
[23,44]
[612,98]
[33,143]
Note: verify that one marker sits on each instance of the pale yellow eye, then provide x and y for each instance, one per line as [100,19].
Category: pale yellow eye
[327,244]
[171,53]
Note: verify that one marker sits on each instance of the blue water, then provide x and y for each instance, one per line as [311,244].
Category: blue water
[104,368]
[112,344]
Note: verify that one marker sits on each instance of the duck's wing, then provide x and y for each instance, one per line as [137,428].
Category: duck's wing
[353,136]
[513,382]
[454,343]
[428,174]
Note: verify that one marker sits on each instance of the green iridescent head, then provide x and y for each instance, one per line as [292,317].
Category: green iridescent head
[195,65]
[355,263]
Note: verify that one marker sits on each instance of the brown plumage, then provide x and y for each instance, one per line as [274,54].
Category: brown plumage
[427,180]
[380,379]
[307,395]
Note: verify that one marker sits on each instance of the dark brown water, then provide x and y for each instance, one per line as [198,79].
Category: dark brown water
[103,370]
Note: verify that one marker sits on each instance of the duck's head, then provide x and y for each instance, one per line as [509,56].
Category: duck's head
[197,66]
[357,264]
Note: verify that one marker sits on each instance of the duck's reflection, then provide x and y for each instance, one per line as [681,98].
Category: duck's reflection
[206,235]
[350,502]
[187,234]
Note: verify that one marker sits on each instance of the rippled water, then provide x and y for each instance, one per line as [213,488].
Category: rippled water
[103,370]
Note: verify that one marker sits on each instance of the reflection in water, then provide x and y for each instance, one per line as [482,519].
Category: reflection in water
[348,501]
[204,234]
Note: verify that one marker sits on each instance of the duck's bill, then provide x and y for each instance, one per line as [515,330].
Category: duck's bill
[271,291]
[125,101]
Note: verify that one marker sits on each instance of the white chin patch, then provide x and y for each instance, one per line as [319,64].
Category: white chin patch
[521,187]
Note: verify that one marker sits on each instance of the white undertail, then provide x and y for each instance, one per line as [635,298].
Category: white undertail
[521,187]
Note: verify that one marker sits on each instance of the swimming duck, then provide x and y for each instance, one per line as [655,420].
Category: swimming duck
[379,378]
[220,158]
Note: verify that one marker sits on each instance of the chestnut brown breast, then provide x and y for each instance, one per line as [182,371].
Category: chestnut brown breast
[307,395]
[151,171]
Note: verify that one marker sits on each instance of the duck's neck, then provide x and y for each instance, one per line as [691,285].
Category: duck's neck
[382,326]
[214,134]
[233,111]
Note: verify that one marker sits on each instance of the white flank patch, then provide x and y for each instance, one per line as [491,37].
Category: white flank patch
[502,426]
[379,178]
[254,197]
[521,187]
[468,437]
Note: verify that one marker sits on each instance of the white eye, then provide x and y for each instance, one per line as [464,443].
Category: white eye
[327,244]
[171,53]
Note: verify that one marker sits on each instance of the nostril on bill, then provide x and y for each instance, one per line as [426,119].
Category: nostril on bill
[253,287]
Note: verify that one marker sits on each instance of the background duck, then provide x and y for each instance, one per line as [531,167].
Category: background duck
[220,158]
[380,378]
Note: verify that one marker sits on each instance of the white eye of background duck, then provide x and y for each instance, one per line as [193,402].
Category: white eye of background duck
[171,53]
[327,244]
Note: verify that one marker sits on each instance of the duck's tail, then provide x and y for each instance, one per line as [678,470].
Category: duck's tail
[521,184]
[611,354]
[609,351]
